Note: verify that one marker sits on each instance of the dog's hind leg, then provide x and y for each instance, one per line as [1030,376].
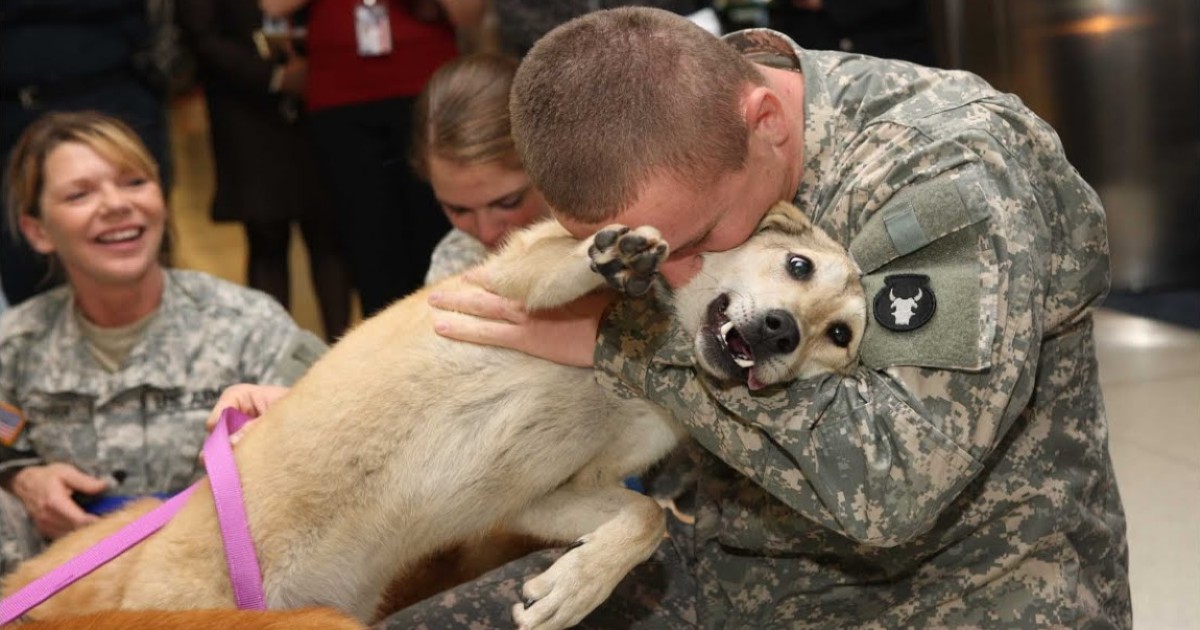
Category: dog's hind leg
[614,530]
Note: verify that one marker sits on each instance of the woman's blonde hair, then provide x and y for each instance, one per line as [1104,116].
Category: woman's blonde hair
[462,114]
[105,135]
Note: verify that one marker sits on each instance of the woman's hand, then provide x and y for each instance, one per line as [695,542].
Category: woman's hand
[46,493]
[252,400]
[564,335]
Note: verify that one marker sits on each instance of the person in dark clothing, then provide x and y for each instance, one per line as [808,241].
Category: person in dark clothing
[67,55]
[266,172]
[523,22]
[893,29]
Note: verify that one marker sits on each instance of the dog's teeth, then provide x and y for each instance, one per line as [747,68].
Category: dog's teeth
[725,328]
[746,363]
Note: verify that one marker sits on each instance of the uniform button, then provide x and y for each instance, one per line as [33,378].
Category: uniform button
[846,44]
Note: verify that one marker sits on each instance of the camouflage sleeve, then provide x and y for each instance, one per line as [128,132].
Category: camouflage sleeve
[876,456]
[16,451]
[277,351]
[455,253]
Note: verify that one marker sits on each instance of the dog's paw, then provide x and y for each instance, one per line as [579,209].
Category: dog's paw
[628,259]
[566,592]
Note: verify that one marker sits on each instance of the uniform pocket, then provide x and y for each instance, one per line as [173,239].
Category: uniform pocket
[61,427]
[930,278]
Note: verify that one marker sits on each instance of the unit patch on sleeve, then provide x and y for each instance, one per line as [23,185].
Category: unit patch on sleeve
[11,423]
[906,302]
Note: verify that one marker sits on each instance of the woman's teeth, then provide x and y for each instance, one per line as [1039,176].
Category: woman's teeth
[122,235]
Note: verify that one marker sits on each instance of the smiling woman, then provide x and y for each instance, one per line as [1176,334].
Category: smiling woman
[90,198]
[105,382]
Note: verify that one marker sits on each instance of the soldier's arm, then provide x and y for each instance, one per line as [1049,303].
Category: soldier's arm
[16,450]
[877,456]
[276,351]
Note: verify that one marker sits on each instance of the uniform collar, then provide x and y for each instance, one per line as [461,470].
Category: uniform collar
[776,50]
[156,360]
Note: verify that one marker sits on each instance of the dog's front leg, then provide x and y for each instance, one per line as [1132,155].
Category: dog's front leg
[614,530]
[545,266]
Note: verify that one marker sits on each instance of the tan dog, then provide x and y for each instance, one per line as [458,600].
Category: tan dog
[398,442]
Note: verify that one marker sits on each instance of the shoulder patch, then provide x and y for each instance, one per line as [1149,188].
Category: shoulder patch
[905,302]
[12,422]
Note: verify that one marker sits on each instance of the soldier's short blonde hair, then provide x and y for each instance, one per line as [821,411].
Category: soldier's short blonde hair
[110,138]
[610,98]
[462,114]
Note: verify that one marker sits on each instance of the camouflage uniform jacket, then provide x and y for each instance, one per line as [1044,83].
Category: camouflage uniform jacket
[961,477]
[142,425]
[455,253]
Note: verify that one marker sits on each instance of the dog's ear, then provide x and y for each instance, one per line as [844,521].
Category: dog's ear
[785,218]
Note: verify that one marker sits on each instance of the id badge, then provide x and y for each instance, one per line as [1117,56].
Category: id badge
[372,28]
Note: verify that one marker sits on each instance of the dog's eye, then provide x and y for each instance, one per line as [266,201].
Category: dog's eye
[799,266]
[840,335]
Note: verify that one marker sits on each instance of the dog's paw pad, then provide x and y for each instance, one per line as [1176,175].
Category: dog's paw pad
[605,238]
[628,258]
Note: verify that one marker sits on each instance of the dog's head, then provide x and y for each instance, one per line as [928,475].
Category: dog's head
[786,304]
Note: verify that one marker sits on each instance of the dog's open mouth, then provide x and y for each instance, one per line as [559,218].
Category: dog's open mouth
[731,353]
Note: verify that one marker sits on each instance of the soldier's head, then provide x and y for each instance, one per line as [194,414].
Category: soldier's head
[463,145]
[82,188]
[638,115]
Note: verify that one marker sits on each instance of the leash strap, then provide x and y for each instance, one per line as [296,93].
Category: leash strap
[244,569]
[97,556]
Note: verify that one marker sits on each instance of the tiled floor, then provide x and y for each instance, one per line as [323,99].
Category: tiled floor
[1150,373]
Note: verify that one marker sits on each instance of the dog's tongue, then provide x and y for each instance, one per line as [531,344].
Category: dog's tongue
[753,381]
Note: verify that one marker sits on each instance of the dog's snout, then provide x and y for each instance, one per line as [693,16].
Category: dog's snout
[777,334]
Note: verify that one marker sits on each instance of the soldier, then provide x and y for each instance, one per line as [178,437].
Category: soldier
[961,477]
[105,382]
[463,146]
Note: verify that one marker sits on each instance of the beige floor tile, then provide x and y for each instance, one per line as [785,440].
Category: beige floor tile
[1163,515]
[1162,416]
[1135,349]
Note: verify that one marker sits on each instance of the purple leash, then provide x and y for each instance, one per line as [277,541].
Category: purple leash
[244,571]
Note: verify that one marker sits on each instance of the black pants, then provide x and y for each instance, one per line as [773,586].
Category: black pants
[390,220]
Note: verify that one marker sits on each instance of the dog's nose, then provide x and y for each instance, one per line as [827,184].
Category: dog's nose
[777,334]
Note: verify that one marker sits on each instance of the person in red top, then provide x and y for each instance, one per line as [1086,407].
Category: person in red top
[367,62]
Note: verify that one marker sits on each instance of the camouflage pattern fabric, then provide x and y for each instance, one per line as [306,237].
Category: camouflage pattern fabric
[455,253]
[140,427]
[954,481]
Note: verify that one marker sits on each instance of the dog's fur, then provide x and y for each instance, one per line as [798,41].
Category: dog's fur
[398,442]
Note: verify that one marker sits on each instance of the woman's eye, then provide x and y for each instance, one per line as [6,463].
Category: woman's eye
[511,202]
[800,267]
[840,335]
[457,211]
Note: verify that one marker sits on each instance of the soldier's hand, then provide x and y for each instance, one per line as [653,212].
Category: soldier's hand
[565,335]
[252,400]
[46,493]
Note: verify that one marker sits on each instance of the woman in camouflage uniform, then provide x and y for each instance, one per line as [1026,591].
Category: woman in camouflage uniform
[106,381]
[462,144]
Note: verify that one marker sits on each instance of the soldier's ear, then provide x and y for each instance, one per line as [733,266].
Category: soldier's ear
[35,233]
[765,117]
